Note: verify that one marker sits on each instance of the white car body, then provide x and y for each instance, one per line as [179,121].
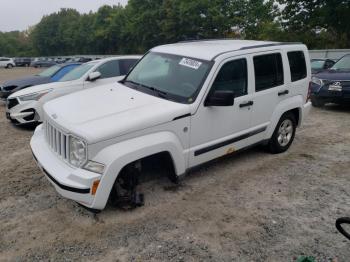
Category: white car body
[29,111]
[120,125]
[6,62]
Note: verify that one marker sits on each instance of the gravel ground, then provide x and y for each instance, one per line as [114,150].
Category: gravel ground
[250,206]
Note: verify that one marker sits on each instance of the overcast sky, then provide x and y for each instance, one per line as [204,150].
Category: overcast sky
[20,14]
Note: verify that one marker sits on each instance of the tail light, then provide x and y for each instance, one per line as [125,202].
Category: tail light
[308,97]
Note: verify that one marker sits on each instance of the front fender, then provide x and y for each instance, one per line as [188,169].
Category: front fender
[281,108]
[116,156]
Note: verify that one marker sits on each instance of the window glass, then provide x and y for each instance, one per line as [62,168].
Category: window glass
[268,71]
[177,78]
[63,72]
[77,72]
[109,69]
[232,77]
[125,65]
[50,71]
[317,64]
[342,64]
[297,65]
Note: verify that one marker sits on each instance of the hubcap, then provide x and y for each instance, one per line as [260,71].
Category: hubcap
[285,132]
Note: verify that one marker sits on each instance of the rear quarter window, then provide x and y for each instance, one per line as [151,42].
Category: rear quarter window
[297,65]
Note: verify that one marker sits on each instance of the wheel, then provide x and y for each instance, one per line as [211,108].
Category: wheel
[283,135]
[317,102]
[9,66]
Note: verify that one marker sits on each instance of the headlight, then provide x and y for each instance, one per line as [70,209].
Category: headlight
[94,167]
[317,81]
[77,151]
[34,96]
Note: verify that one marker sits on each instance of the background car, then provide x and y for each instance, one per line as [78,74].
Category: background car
[320,64]
[25,106]
[51,74]
[7,62]
[332,85]
[23,61]
[43,63]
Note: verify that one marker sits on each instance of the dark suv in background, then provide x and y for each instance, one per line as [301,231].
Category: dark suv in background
[23,61]
[332,85]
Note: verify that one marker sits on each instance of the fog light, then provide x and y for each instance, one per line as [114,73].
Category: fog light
[94,167]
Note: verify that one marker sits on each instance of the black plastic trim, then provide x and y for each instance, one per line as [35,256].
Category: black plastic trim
[229,141]
[183,116]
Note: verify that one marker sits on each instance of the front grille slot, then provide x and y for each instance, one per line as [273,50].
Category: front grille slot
[57,140]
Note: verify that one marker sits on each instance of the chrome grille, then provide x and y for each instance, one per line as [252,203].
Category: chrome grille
[57,140]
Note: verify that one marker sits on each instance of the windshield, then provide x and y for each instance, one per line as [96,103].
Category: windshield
[77,72]
[168,76]
[317,64]
[50,71]
[342,64]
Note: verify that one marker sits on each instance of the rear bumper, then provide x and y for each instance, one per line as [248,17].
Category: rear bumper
[70,182]
[305,112]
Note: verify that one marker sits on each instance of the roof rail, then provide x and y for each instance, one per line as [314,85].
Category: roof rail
[208,39]
[258,46]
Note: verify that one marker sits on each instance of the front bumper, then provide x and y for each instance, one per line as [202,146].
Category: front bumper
[70,182]
[23,113]
[330,96]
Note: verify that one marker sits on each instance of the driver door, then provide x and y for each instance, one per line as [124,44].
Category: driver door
[216,131]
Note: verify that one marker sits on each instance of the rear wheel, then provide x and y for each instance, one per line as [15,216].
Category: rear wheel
[9,66]
[283,135]
[317,102]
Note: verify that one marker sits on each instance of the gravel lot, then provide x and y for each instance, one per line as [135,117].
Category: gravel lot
[251,206]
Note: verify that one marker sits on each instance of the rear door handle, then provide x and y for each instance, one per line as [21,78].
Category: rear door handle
[282,93]
[249,103]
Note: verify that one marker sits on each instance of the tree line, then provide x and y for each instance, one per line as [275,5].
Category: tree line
[141,24]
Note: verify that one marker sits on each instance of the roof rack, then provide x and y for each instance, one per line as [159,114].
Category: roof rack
[208,39]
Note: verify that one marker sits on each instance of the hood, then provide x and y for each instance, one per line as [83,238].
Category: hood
[39,88]
[330,74]
[28,81]
[111,110]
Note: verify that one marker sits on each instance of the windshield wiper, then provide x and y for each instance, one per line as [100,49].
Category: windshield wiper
[158,92]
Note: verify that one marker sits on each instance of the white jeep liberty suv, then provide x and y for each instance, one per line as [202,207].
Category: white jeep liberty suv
[189,102]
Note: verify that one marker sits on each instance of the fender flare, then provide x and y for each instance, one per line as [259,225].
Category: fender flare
[281,108]
[117,156]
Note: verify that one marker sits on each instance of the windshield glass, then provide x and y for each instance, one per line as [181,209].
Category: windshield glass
[77,72]
[317,64]
[168,76]
[342,64]
[50,71]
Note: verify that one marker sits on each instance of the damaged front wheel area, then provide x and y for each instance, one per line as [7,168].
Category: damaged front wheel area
[125,192]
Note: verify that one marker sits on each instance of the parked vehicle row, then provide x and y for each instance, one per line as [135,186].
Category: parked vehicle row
[25,106]
[184,104]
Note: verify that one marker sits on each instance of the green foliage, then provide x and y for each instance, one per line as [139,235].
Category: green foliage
[142,24]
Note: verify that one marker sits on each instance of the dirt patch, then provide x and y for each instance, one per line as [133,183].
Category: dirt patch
[251,206]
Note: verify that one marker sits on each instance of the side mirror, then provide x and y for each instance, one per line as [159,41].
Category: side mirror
[94,76]
[220,98]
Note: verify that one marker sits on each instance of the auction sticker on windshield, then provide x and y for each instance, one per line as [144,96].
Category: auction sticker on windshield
[190,63]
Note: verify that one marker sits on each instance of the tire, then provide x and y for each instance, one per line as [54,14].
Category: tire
[9,66]
[283,135]
[339,222]
[317,102]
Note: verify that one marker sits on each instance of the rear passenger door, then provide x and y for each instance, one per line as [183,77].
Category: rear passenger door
[269,88]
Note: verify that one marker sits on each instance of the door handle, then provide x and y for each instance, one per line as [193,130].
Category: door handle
[249,103]
[282,93]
